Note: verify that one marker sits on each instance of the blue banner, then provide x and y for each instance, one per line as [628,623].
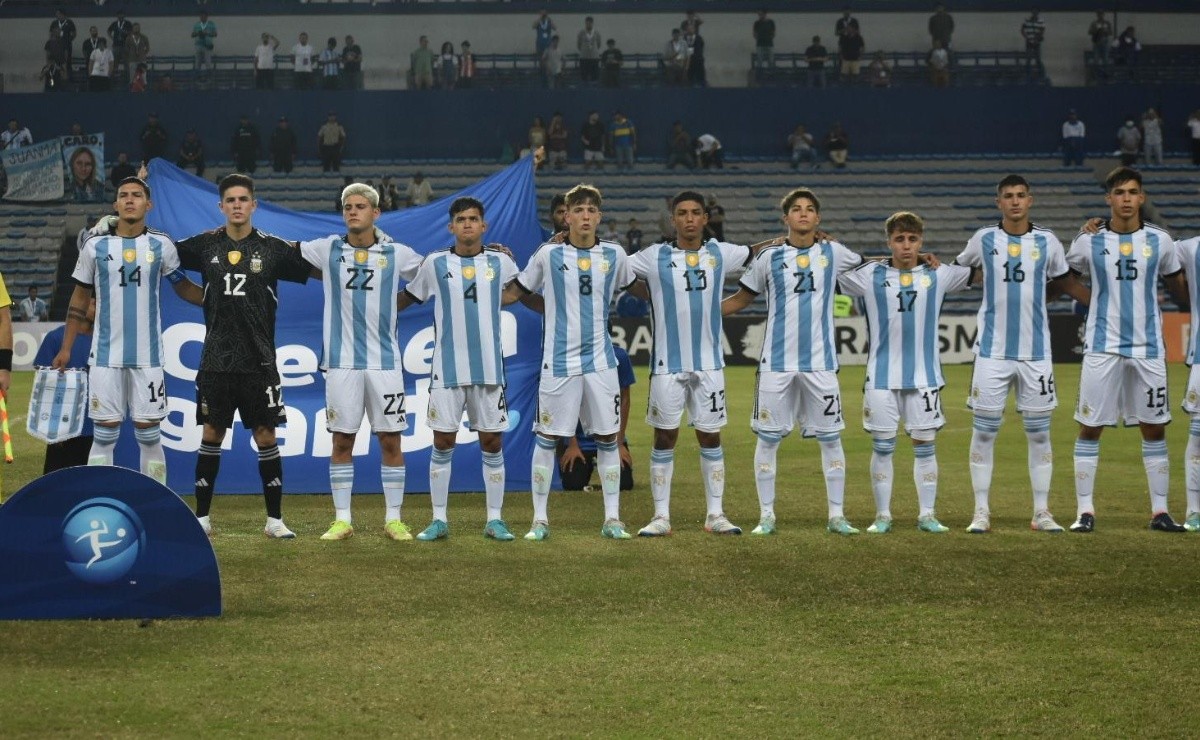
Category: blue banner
[34,172]
[185,205]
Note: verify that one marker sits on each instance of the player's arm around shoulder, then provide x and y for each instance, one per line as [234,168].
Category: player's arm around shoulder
[856,282]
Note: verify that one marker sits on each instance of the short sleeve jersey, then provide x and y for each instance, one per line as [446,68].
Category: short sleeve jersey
[800,284]
[241,295]
[360,286]
[1012,317]
[902,309]
[578,285]
[1124,318]
[126,274]
[466,318]
[1189,259]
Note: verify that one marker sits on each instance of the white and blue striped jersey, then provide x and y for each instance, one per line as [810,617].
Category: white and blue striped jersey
[1189,259]
[800,283]
[467,316]
[126,274]
[686,288]
[360,286]
[902,310]
[1012,317]
[1124,318]
[578,286]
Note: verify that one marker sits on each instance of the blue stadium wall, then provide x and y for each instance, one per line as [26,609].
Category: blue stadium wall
[749,122]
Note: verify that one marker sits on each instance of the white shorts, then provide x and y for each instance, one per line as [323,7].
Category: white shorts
[140,390]
[593,156]
[702,392]
[1113,388]
[1191,399]
[1033,380]
[380,393]
[487,411]
[921,409]
[592,399]
[812,400]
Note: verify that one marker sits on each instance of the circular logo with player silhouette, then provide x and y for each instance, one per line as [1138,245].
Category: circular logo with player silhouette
[103,539]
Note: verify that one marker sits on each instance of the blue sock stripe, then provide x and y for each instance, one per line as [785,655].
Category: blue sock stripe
[148,436]
[712,453]
[988,424]
[493,459]
[829,437]
[606,446]
[392,474]
[545,444]
[884,446]
[1194,427]
[1154,449]
[106,434]
[662,456]
[770,438]
[925,449]
[440,457]
[1037,425]
[1087,448]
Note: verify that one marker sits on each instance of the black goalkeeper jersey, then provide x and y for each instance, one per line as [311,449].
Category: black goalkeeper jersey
[240,295]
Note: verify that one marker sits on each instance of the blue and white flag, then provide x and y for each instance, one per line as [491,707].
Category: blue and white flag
[58,404]
[34,172]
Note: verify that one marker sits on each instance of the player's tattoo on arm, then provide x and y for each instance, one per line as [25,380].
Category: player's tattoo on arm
[75,313]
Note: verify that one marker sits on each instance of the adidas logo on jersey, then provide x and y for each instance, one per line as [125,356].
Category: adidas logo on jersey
[994,253]
[563,268]
[215,260]
[447,276]
[1105,251]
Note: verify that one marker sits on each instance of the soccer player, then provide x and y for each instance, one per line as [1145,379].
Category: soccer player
[1124,374]
[904,373]
[241,267]
[797,373]
[468,281]
[1189,256]
[123,270]
[361,276]
[685,279]
[1020,262]
[578,278]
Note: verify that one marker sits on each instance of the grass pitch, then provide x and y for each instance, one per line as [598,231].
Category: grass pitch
[911,634]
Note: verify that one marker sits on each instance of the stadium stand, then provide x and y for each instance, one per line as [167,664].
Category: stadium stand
[968,68]
[1157,64]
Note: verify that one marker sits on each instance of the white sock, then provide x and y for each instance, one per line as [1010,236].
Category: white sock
[104,440]
[712,467]
[543,474]
[1192,466]
[341,483]
[608,460]
[153,461]
[984,429]
[833,462]
[765,455]
[662,467]
[393,490]
[439,481]
[925,475]
[1158,473]
[1041,460]
[881,475]
[493,483]
[1087,457]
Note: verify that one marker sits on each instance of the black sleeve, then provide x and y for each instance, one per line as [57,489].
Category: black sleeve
[190,251]
[292,266]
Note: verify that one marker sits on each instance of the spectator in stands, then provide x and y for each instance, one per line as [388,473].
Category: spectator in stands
[1033,30]
[447,67]
[675,59]
[938,61]
[85,183]
[118,32]
[283,146]
[556,141]
[1101,33]
[164,83]
[419,191]
[544,30]
[245,145]
[666,222]
[100,67]
[121,170]
[879,71]
[264,63]
[55,49]
[191,153]
[331,142]
[53,76]
[1129,143]
[693,18]
[850,49]
[941,26]
[588,43]
[66,34]
[709,152]
[591,135]
[1193,125]
[393,194]
[466,67]
[137,46]
[715,228]
[837,145]
[76,129]
[696,72]
[1152,137]
[609,232]
[537,136]
[633,237]
[331,65]
[303,55]
[421,63]
[764,40]
[577,454]
[801,144]
[679,148]
[140,80]
[552,64]
[1128,47]
[611,60]
[622,139]
[15,136]
[816,55]
[352,56]
[90,44]
[204,31]
[845,23]
[32,308]
[153,138]
[1074,135]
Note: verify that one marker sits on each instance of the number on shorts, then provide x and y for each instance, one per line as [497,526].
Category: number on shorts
[701,280]
[1013,273]
[617,404]
[585,284]
[471,294]
[235,284]
[716,401]
[1047,385]
[1156,398]
[1127,268]
[134,276]
[360,278]
[157,394]
[905,300]
[274,395]
[833,405]
[804,282]
[395,404]
[934,403]
[502,405]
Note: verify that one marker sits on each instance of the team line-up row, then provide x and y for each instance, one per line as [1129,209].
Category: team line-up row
[368,278]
